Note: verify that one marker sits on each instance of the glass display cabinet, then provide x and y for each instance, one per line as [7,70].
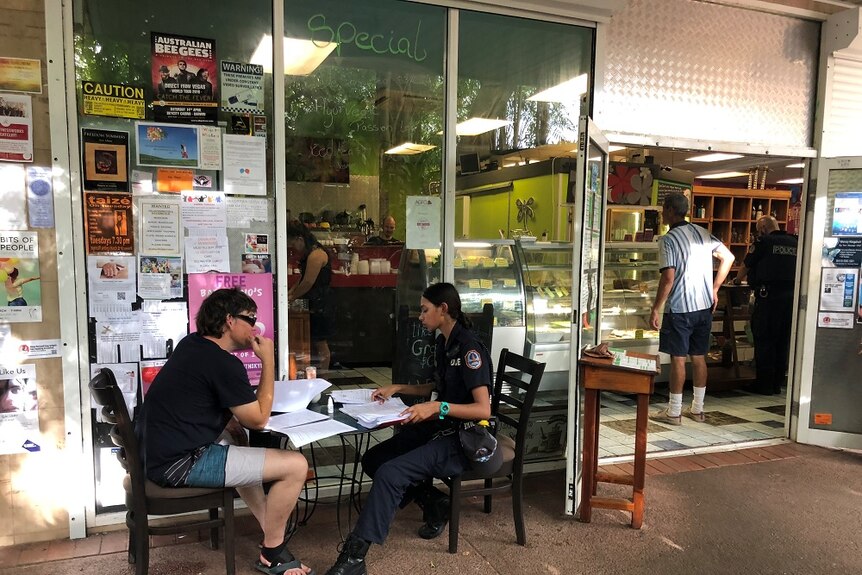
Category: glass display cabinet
[631,278]
[546,268]
[487,272]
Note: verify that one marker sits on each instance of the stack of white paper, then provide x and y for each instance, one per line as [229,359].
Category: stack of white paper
[305,434]
[296,394]
[285,421]
[360,396]
[375,414]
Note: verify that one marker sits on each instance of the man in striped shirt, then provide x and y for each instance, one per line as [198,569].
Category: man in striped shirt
[688,293]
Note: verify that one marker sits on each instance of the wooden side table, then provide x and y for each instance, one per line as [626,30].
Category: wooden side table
[601,375]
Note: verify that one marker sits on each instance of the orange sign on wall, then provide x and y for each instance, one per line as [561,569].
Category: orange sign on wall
[822,419]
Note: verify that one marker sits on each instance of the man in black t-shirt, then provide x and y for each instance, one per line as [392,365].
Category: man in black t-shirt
[201,396]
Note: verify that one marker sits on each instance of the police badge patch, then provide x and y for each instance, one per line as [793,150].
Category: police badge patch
[473,359]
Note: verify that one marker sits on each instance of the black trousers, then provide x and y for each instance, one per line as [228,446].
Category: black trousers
[398,465]
[770,325]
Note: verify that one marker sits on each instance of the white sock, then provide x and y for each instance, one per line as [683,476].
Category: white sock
[697,402]
[674,406]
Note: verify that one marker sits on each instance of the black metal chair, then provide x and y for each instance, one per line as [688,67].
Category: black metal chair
[145,498]
[516,391]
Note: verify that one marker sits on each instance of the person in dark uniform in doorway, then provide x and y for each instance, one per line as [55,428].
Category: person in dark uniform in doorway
[427,445]
[770,267]
[315,287]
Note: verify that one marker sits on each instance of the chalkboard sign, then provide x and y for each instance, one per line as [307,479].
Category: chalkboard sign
[414,360]
[661,188]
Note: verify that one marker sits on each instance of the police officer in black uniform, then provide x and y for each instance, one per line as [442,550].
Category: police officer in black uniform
[771,269]
[427,446]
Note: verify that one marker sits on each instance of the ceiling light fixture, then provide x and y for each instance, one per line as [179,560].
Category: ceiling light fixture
[568,91]
[409,149]
[798,165]
[791,181]
[476,126]
[717,157]
[301,57]
[721,175]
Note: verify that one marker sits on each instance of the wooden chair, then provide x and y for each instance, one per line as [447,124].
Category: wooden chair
[517,391]
[145,498]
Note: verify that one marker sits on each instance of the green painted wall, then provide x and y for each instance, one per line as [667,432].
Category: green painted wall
[490,212]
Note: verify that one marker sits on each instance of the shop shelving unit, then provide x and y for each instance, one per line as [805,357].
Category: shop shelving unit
[731,214]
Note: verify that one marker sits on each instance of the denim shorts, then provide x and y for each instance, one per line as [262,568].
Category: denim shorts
[685,334]
[227,466]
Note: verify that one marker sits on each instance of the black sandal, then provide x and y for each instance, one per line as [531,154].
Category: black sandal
[283,563]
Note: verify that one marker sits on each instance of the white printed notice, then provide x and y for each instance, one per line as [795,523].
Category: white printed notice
[19,409]
[242,211]
[838,289]
[160,277]
[209,140]
[12,197]
[19,270]
[40,197]
[244,165]
[204,210]
[161,230]
[112,280]
[423,222]
[207,254]
[835,320]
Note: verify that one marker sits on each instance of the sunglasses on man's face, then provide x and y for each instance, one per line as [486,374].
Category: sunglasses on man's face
[249,319]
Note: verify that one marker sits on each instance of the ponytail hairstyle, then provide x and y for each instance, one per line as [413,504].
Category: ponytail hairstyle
[443,292]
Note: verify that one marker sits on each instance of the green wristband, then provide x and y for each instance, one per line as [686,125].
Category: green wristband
[444,409]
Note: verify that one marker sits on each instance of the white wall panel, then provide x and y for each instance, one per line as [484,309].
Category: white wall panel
[695,70]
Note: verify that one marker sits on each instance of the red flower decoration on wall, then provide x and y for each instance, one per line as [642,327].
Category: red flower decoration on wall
[620,183]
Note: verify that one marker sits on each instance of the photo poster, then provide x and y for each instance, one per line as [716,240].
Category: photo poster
[160,277]
[149,370]
[19,270]
[325,160]
[16,127]
[167,145]
[108,219]
[841,252]
[241,87]
[258,287]
[19,409]
[105,155]
[847,214]
[185,78]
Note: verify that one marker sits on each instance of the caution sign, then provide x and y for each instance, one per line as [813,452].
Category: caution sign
[114,100]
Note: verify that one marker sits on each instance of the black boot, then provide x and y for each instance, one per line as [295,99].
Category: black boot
[351,557]
[436,516]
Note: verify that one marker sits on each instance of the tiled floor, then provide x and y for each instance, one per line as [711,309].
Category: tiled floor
[733,416]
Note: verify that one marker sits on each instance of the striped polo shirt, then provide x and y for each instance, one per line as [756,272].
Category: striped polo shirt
[688,249]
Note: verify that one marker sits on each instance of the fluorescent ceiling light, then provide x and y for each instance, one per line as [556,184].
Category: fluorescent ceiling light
[473,245]
[791,181]
[721,175]
[798,165]
[301,57]
[615,148]
[476,126]
[568,91]
[409,149]
[714,157]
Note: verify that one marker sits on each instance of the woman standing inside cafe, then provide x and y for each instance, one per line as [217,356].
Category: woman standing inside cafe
[314,286]
[427,446]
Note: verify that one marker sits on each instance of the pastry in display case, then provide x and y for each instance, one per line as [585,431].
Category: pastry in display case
[547,271]
[631,278]
[487,272]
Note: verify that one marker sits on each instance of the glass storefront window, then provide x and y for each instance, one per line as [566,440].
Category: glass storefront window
[363,133]
[522,84]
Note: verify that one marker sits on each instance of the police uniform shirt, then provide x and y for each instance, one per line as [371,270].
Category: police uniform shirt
[462,366]
[772,260]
